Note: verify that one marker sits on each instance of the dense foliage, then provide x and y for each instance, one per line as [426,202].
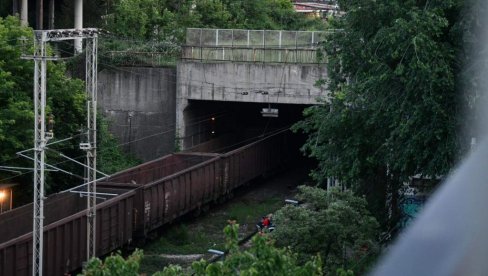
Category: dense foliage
[65,101]
[393,111]
[262,258]
[168,19]
[160,25]
[334,224]
[114,265]
[331,232]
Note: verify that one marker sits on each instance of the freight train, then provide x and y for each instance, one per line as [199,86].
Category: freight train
[134,202]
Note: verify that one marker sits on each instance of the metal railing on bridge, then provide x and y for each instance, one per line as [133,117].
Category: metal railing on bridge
[253,46]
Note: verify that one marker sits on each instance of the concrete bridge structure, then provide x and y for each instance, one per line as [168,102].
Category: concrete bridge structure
[220,85]
[246,66]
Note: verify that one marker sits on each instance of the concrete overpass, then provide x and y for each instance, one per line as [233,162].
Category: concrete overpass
[245,66]
[221,84]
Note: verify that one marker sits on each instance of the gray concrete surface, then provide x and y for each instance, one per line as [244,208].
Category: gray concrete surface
[140,106]
[251,82]
[244,82]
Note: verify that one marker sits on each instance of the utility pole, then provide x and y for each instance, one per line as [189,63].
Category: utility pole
[40,60]
[78,12]
[41,38]
[24,13]
[91,150]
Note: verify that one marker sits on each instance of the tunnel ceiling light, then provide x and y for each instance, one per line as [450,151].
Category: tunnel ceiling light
[269,112]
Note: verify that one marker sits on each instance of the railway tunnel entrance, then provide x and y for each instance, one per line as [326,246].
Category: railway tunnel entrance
[216,126]
[231,75]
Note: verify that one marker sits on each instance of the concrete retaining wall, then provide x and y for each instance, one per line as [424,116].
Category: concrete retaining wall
[243,82]
[140,106]
[251,82]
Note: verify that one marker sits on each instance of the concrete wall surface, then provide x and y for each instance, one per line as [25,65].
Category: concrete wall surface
[251,82]
[140,106]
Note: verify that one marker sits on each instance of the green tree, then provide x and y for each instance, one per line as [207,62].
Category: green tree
[111,158]
[160,25]
[151,19]
[268,15]
[393,111]
[262,258]
[137,18]
[165,19]
[114,265]
[66,100]
[213,14]
[334,224]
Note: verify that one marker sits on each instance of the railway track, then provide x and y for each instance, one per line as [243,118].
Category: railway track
[138,201]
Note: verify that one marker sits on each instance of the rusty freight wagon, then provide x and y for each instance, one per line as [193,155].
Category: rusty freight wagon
[210,181]
[64,232]
[136,201]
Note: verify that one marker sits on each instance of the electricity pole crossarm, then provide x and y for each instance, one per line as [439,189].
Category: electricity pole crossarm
[41,37]
[70,34]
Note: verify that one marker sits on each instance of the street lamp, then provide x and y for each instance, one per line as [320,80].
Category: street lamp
[2,198]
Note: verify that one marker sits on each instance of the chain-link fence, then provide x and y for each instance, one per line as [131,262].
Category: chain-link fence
[253,45]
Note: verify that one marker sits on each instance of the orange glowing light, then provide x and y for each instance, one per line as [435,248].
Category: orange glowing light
[2,195]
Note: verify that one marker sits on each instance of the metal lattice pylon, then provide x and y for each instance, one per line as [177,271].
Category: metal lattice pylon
[91,153]
[39,146]
[40,58]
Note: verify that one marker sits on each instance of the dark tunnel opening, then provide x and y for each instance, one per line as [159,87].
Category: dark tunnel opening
[235,121]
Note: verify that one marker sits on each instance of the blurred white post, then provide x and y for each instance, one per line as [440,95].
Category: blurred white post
[279,56]
[249,51]
[23,13]
[216,44]
[78,24]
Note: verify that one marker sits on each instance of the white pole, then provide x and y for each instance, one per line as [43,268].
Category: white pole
[216,44]
[78,23]
[23,13]
[280,46]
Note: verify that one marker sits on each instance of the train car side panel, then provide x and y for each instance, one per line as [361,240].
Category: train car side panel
[190,204]
[196,188]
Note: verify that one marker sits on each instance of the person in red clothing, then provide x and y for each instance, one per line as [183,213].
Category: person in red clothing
[266,222]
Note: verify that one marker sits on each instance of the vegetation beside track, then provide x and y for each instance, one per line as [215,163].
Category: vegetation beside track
[205,232]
